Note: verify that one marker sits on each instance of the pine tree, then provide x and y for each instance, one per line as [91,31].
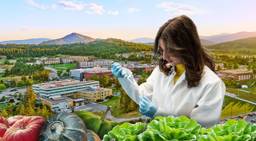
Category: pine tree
[30,97]
[4,113]
[30,101]
[45,112]
[20,110]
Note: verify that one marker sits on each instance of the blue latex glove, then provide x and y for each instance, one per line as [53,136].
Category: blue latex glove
[147,107]
[118,71]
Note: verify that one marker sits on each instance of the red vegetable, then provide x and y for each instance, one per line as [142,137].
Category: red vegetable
[25,128]
[3,120]
[12,120]
[3,126]
[3,129]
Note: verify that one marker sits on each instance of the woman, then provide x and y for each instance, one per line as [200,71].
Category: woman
[184,82]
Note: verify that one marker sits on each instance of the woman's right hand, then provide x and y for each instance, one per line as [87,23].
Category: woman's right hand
[120,72]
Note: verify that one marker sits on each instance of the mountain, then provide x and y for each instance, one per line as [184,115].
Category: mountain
[151,41]
[70,39]
[26,41]
[242,46]
[220,38]
[143,40]
[205,42]
[102,48]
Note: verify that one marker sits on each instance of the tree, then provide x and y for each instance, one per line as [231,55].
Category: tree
[6,62]
[94,77]
[21,83]
[20,110]
[30,96]
[30,110]
[44,111]
[2,87]
[3,99]
[235,66]
[24,78]
[41,76]
[12,83]
[27,106]
[105,81]
[10,109]
[126,103]
[4,113]
[21,68]
[218,68]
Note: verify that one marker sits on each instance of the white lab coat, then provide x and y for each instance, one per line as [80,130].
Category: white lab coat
[202,103]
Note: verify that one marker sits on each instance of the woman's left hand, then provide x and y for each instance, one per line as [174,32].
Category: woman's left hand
[147,107]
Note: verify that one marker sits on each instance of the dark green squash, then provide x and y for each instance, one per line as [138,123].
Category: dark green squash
[64,127]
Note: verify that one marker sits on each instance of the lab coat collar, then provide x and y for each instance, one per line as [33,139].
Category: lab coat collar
[183,76]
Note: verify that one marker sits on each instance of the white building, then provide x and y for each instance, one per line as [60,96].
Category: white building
[59,103]
[96,63]
[63,87]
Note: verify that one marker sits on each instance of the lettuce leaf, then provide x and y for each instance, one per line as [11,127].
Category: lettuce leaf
[182,129]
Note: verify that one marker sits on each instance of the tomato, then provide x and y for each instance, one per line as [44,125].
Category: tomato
[3,129]
[12,120]
[3,126]
[26,128]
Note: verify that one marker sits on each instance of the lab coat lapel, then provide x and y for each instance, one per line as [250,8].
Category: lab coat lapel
[181,78]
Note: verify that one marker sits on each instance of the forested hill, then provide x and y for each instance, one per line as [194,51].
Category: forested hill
[243,46]
[99,48]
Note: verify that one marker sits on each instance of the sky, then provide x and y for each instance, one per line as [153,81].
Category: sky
[123,19]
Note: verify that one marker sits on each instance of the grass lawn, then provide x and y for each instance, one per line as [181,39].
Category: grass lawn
[251,96]
[112,102]
[61,67]
[116,110]
[95,123]
[2,61]
[251,90]
[17,78]
[233,107]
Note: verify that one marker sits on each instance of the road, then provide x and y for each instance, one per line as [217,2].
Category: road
[9,91]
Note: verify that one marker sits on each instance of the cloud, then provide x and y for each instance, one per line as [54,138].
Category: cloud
[114,13]
[37,5]
[89,8]
[95,8]
[133,10]
[178,8]
[71,5]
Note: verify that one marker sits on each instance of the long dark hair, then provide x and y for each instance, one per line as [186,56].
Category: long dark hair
[181,38]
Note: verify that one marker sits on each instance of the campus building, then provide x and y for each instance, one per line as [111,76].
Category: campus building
[237,74]
[95,95]
[59,103]
[96,63]
[96,71]
[63,87]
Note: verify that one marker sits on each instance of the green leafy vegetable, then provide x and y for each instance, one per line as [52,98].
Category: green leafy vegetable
[125,132]
[182,129]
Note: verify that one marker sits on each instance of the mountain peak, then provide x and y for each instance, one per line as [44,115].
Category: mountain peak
[71,38]
[74,34]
